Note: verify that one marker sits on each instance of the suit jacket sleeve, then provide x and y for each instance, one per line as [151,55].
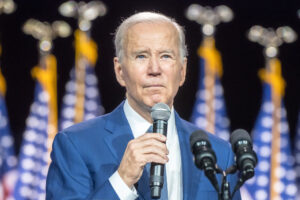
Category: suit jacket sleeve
[69,177]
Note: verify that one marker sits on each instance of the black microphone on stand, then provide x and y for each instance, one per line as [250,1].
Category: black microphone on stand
[160,114]
[246,158]
[204,157]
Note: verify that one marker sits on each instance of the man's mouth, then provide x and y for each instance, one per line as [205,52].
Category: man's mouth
[154,86]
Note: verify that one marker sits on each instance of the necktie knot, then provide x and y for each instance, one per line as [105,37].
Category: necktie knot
[150,129]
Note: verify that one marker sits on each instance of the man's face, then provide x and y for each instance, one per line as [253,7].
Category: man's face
[151,68]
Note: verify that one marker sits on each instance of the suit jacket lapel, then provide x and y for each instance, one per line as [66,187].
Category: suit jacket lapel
[120,130]
[190,175]
[117,141]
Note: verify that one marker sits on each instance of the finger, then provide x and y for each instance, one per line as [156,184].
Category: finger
[149,150]
[157,136]
[156,158]
[139,145]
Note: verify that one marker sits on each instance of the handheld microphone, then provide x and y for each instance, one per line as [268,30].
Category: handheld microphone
[246,158]
[160,114]
[204,157]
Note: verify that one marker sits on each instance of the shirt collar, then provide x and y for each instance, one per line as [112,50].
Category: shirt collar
[139,125]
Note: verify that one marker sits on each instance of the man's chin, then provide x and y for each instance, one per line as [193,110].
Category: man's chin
[154,101]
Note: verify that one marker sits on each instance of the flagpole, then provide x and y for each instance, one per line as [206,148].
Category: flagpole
[41,124]
[85,48]
[273,94]
[209,110]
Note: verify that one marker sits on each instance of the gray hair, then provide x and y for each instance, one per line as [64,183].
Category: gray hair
[140,17]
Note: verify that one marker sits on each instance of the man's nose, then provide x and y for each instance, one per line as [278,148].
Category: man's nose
[154,66]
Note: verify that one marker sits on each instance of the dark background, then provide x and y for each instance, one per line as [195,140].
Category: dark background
[241,58]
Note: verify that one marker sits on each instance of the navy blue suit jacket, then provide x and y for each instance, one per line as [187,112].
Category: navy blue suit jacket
[85,155]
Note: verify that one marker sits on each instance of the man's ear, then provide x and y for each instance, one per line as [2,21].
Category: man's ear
[119,71]
[183,71]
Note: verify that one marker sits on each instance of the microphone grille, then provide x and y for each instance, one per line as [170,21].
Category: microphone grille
[198,135]
[239,134]
[160,111]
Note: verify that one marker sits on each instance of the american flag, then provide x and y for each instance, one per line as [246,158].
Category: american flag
[297,154]
[275,177]
[41,127]
[8,160]
[209,112]
[82,99]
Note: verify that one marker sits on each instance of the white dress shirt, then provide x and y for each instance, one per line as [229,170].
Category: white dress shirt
[139,126]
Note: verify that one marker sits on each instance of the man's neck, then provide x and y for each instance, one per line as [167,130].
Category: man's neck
[144,112]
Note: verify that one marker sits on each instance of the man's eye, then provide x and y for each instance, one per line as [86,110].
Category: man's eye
[166,56]
[140,56]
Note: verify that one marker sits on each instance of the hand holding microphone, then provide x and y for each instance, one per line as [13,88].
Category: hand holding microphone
[160,114]
[148,148]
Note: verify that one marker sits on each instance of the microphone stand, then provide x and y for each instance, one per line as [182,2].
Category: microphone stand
[224,193]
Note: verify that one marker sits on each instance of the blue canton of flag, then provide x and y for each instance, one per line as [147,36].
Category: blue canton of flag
[8,160]
[92,102]
[274,175]
[34,157]
[297,154]
[209,112]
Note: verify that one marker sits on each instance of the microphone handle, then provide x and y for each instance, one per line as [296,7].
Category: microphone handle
[157,170]
[160,126]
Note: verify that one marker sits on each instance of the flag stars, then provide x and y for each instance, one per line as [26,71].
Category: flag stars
[91,92]
[91,105]
[25,191]
[201,122]
[27,164]
[262,181]
[27,178]
[284,143]
[42,111]
[267,122]
[218,90]
[266,136]
[11,161]
[71,86]
[268,107]
[43,97]
[29,150]
[6,141]
[89,116]
[283,127]
[69,99]
[261,195]
[91,79]
[68,113]
[3,122]
[30,135]
[265,151]
[280,172]
[218,104]
[67,124]
[263,166]
[202,108]
[291,189]
[290,175]
[32,121]
[278,187]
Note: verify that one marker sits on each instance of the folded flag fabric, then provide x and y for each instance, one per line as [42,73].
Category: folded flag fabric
[209,112]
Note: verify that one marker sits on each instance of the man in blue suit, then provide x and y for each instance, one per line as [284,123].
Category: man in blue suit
[107,158]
